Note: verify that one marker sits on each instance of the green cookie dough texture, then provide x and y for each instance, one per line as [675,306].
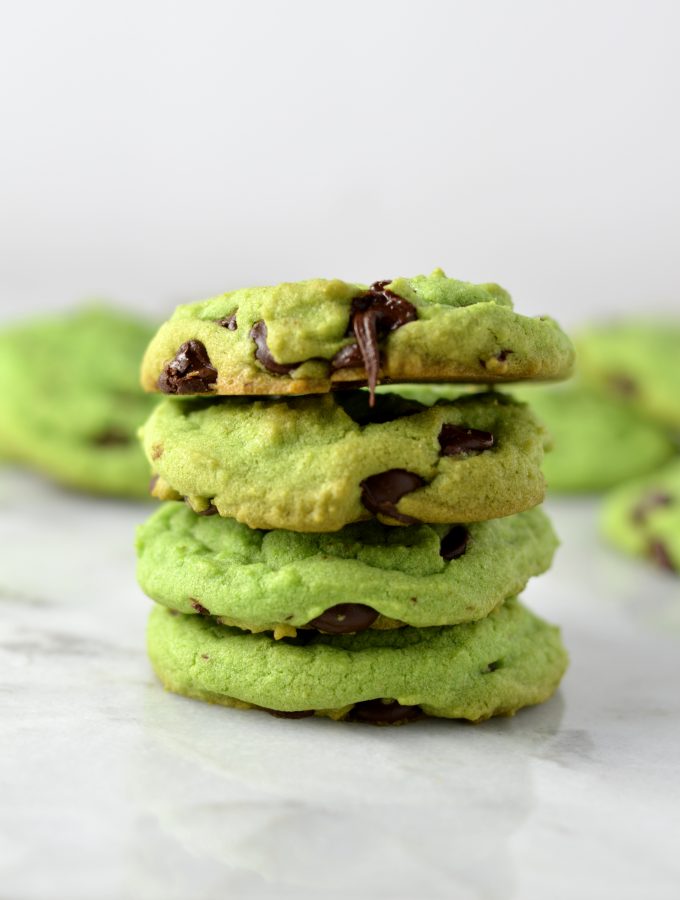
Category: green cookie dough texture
[72,405]
[491,667]
[636,360]
[643,518]
[281,580]
[598,442]
[463,332]
[298,463]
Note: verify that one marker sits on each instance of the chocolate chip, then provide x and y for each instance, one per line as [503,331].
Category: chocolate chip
[454,543]
[502,356]
[259,334]
[210,510]
[190,372]
[380,493]
[229,322]
[373,315]
[200,609]
[649,503]
[387,408]
[384,712]
[348,358]
[284,714]
[456,439]
[111,437]
[492,666]
[660,555]
[345,618]
[622,384]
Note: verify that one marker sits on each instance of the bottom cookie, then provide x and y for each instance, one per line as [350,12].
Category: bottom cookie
[474,671]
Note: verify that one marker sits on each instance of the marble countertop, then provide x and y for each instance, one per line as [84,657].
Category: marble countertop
[112,789]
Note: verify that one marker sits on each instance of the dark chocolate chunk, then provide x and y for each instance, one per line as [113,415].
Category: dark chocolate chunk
[200,609]
[660,555]
[502,356]
[622,384]
[384,712]
[259,334]
[456,439]
[348,358]
[380,493]
[229,322]
[283,714]
[649,503]
[496,664]
[111,437]
[454,543]
[190,372]
[387,407]
[372,316]
[210,510]
[345,618]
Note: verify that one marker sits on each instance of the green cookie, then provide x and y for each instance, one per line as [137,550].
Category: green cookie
[72,404]
[311,336]
[643,518]
[319,463]
[636,360]
[492,667]
[597,442]
[421,575]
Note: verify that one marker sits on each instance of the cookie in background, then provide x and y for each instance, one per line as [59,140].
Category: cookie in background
[72,403]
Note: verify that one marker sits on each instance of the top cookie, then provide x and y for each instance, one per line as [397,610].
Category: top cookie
[636,360]
[314,336]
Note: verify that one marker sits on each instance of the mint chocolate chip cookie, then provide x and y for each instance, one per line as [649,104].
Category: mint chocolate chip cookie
[636,361]
[72,405]
[365,576]
[316,464]
[313,336]
[491,667]
[643,518]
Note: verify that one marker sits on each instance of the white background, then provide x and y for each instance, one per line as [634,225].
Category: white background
[157,152]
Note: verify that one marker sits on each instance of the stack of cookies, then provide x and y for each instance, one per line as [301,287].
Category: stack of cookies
[344,551]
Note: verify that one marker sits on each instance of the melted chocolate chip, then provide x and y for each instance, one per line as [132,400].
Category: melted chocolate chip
[200,609]
[111,437]
[384,712]
[262,354]
[455,439]
[380,493]
[348,358]
[345,618]
[190,372]
[454,543]
[660,555]
[649,503]
[372,316]
[229,322]
[387,408]
[284,714]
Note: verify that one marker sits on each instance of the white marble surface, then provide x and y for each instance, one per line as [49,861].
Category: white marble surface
[112,789]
